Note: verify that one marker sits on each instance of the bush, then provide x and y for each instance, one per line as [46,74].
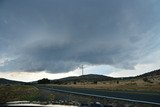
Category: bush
[44,81]
[57,82]
[147,80]
[117,82]
[94,82]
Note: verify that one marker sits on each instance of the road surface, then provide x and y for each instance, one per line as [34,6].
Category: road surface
[117,95]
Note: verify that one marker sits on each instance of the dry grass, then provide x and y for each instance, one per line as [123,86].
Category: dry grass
[17,92]
[132,85]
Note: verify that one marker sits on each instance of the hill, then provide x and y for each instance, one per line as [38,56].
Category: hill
[98,78]
[152,73]
[6,81]
[148,82]
[83,78]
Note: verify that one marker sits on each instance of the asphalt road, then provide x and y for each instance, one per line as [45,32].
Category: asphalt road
[118,95]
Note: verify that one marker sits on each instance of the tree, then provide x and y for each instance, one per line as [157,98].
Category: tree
[44,81]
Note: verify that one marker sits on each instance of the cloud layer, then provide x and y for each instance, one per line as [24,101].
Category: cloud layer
[58,36]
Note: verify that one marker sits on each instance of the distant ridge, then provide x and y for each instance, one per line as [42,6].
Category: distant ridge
[6,81]
[152,73]
[96,77]
[83,78]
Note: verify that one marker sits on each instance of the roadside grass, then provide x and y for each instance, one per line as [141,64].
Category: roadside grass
[137,84]
[18,93]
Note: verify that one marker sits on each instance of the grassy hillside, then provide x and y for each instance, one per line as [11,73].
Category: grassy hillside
[6,81]
[148,82]
[152,73]
[82,79]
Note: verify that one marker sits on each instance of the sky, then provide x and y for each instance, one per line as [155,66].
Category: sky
[53,38]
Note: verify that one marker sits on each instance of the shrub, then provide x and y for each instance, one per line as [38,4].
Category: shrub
[94,82]
[44,81]
[147,80]
[117,82]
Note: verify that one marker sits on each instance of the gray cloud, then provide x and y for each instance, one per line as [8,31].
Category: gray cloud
[58,36]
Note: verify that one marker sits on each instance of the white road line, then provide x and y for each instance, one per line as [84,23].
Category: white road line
[78,93]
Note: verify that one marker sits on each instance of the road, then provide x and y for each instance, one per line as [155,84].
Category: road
[117,95]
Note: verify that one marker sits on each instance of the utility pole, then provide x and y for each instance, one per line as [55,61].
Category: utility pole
[82,67]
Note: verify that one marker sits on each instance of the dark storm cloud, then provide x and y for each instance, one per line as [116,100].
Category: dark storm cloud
[58,36]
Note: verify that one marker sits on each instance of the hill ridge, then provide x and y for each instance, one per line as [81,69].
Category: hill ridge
[8,81]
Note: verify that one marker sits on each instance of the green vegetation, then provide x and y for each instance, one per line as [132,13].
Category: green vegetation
[94,82]
[147,80]
[24,93]
[17,93]
[117,82]
[74,82]
[44,81]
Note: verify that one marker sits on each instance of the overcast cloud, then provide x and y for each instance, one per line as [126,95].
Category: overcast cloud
[59,35]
